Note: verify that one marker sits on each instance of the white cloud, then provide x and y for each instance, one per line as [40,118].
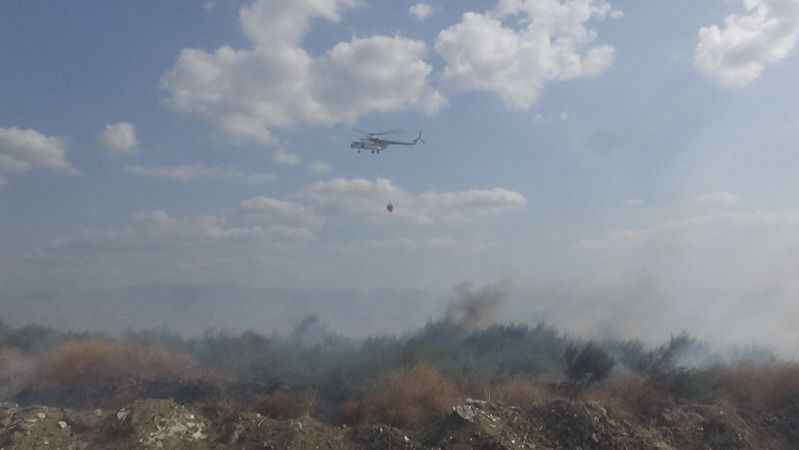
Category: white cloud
[24,149]
[265,219]
[148,228]
[564,116]
[282,240]
[120,138]
[281,212]
[717,199]
[366,198]
[260,178]
[208,6]
[248,93]
[319,167]
[421,11]
[160,230]
[738,52]
[194,172]
[286,158]
[553,43]
[3,182]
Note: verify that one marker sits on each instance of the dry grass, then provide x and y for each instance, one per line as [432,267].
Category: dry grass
[515,391]
[103,361]
[89,370]
[405,398]
[631,393]
[761,387]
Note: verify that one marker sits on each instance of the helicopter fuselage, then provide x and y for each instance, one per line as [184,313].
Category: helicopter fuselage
[376,145]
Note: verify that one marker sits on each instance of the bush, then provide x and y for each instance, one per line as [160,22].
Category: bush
[694,385]
[405,398]
[587,365]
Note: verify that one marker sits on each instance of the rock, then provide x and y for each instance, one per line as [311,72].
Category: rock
[465,412]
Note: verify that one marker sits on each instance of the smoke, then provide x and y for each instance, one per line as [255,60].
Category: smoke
[15,370]
[475,308]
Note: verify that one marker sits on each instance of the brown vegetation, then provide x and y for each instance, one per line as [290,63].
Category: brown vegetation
[99,360]
[514,391]
[284,404]
[760,387]
[631,393]
[15,370]
[405,398]
[109,371]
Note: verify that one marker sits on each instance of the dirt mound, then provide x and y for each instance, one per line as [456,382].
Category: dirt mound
[481,425]
[39,428]
[590,426]
[156,424]
[380,437]
[474,424]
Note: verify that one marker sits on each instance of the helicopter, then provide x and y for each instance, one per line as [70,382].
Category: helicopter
[376,144]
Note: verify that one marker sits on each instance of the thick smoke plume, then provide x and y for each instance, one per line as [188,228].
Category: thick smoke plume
[476,308]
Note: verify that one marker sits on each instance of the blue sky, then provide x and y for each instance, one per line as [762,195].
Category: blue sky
[573,146]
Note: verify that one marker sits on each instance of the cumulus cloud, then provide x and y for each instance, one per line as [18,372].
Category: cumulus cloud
[24,149]
[286,158]
[282,240]
[366,198]
[300,217]
[319,167]
[120,138]
[250,92]
[195,172]
[738,52]
[552,43]
[421,11]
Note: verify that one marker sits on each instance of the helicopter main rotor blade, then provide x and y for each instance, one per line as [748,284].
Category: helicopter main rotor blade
[386,132]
